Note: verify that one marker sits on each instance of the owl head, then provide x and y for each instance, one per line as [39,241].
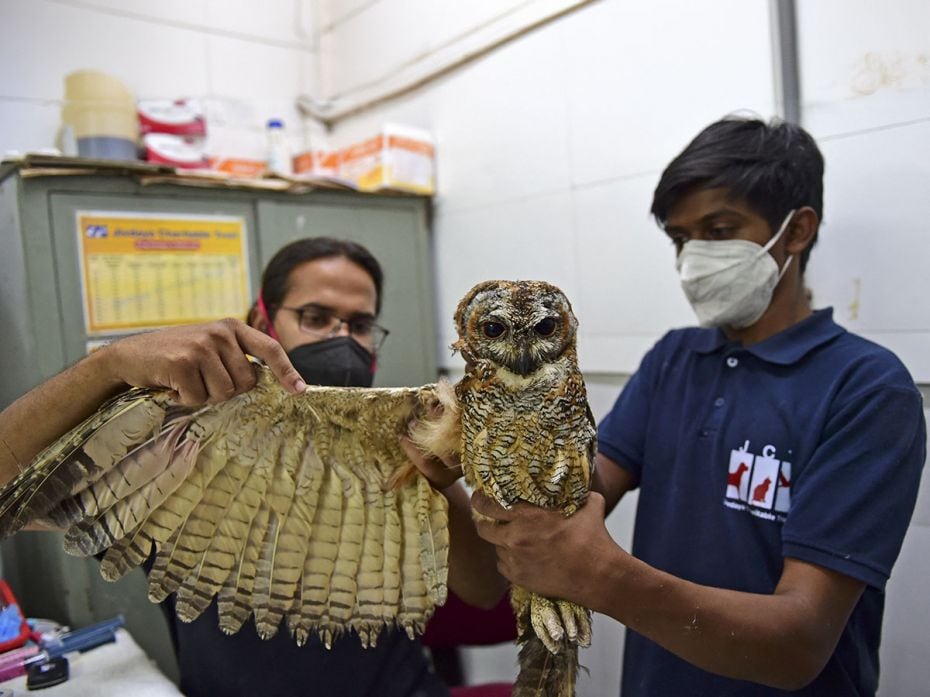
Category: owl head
[520,325]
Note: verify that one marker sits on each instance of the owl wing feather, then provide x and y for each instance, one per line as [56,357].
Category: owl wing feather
[277,505]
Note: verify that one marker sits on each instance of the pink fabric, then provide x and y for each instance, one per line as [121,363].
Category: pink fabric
[458,624]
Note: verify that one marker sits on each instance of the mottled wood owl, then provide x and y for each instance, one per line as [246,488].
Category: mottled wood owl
[528,434]
[302,509]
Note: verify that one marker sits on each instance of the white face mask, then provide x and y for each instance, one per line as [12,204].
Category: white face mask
[730,282]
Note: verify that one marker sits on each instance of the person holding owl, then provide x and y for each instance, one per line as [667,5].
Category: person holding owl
[315,321]
[777,455]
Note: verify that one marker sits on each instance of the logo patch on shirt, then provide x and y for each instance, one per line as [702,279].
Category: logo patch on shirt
[759,484]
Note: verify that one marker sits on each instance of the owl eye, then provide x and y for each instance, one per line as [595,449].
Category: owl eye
[545,327]
[492,330]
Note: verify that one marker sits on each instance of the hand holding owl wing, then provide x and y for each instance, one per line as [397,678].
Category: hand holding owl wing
[274,504]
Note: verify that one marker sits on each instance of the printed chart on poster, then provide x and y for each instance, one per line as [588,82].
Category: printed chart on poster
[142,271]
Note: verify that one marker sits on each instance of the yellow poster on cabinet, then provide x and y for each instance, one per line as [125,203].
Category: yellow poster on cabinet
[143,271]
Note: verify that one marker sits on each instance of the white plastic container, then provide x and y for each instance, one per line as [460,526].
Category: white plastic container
[101,113]
[279,151]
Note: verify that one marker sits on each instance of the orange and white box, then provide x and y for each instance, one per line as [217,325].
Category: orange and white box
[236,151]
[317,163]
[243,167]
[400,158]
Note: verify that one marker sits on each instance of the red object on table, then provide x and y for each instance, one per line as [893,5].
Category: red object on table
[7,598]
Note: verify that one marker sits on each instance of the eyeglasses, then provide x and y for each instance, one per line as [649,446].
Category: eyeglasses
[323,323]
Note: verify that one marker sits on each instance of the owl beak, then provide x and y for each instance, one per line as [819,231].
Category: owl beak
[524,365]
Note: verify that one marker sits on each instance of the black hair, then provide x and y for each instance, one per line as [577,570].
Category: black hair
[774,167]
[276,277]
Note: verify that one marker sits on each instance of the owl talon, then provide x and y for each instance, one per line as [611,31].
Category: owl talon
[577,622]
[567,612]
[300,636]
[555,620]
[583,618]
[544,616]
[546,626]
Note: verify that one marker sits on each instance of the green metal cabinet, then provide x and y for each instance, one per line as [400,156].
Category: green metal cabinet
[42,329]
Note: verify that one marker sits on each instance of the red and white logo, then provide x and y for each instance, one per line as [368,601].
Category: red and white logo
[760,483]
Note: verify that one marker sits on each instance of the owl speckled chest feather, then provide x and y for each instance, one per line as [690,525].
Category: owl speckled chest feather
[528,434]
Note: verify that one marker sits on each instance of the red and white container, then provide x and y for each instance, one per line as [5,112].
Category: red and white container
[175,151]
[179,117]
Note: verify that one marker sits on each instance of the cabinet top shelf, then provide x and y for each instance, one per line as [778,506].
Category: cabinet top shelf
[35,165]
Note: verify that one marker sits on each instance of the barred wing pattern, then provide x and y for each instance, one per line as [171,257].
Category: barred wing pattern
[277,505]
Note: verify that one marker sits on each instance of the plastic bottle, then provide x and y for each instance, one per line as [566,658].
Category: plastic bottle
[279,151]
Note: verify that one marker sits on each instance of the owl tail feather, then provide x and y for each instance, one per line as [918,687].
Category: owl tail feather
[544,674]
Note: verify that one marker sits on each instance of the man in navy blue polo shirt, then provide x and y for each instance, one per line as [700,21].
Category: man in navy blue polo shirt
[777,455]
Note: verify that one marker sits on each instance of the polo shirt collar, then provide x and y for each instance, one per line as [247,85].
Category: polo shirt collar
[784,348]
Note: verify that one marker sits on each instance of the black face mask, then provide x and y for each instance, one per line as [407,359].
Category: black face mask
[337,362]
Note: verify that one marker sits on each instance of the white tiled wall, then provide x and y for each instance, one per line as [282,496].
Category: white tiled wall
[550,146]
[596,103]
[215,49]
[334,12]
[866,97]
[394,33]
[643,78]
[863,66]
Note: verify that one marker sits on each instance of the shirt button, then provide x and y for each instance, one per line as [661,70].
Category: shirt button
[732,361]
[718,402]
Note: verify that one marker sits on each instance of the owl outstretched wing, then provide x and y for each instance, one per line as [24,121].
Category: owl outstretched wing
[277,505]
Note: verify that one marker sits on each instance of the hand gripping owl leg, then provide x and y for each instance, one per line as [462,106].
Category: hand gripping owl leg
[528,435]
